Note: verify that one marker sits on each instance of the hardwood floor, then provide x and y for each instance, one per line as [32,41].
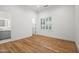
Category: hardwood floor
[38,44]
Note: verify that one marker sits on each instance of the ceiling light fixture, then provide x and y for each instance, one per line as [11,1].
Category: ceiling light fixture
[39,6]
[45,5]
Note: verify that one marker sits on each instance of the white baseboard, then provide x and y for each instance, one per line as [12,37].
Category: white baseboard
[10,40]
[59,37]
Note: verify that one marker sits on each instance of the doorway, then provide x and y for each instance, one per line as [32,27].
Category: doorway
[33,26]
[5,25]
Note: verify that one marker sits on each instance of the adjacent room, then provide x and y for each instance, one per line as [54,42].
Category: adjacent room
[39,29]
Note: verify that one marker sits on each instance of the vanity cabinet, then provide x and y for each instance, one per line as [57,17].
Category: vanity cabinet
[5,34]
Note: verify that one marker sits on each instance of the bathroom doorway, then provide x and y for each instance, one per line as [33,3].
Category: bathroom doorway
[5,25]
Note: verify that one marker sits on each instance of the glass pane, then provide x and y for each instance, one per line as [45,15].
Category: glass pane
[50,27]
[43,27]
[50,19]
[43,21]
[46,26]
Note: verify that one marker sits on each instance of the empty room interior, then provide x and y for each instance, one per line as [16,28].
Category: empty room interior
[39,28]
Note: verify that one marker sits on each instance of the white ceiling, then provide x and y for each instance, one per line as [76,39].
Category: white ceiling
[36,8]
[39,8]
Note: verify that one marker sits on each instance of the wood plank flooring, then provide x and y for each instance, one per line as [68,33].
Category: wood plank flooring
[38,44]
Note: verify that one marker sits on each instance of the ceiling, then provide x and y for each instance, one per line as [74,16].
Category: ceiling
[39,7]
[36,8]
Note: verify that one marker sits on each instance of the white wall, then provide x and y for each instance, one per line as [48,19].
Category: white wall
[21,18]
[77,25]
[62,22]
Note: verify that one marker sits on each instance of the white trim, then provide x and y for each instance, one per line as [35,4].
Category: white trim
[59,37]
[10,40]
